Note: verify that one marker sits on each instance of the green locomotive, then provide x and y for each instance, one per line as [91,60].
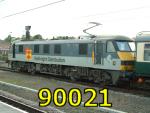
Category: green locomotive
[142,64]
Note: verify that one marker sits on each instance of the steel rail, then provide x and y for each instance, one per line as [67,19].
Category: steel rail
[20,105]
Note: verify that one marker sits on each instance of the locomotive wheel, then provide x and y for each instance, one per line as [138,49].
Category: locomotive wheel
[31,69]
[96,80]
[90,78]
[103,78]
[73,76]
[32,72]
[13,66]
[66,73]
[107,78]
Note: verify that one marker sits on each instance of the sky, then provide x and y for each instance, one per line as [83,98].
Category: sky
[70,17]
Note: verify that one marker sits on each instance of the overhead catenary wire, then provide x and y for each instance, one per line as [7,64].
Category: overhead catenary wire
[28,10]
[117,11]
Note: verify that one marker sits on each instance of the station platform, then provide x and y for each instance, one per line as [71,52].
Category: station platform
[6,108]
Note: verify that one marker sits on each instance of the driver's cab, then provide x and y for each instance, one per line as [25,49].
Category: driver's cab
[111,49]
[123,50]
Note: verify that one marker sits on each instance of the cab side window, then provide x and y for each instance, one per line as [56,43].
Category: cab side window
[20,49]
[110,47]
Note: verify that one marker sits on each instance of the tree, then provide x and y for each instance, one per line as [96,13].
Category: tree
[9,39]
[38,36]
[23,37]
[15,39]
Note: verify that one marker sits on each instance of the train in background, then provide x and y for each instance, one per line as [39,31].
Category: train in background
[102,59]
[142,64]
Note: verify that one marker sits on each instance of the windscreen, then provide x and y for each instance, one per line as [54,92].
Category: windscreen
[125,46]
[132,46]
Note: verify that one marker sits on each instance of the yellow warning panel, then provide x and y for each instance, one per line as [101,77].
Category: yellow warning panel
[126,56]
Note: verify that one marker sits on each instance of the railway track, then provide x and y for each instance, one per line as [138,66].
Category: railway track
[123,89]
[20,105]
[5,68]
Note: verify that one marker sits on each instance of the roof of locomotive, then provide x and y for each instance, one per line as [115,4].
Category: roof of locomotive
[86,40]
[113,37]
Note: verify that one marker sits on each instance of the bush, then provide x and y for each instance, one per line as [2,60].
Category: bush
[4,58]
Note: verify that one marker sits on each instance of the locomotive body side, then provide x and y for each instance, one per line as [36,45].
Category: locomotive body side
[99,59]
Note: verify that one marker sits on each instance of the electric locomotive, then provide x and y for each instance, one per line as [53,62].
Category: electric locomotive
[102,59]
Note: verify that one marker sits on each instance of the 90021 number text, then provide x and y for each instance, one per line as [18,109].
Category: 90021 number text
[60,97]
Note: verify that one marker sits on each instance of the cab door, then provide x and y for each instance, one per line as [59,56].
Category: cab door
[99,52]
[13,51]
